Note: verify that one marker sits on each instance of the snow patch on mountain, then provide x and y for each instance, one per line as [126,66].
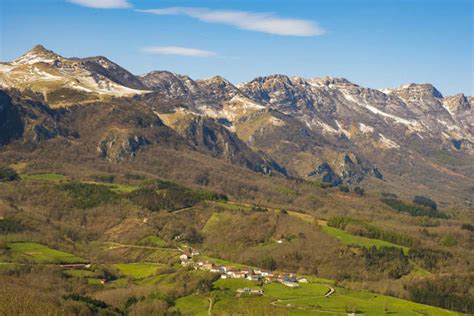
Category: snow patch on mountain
[386,142]
[246,102]
[366,129]
[415,126]
[342,130]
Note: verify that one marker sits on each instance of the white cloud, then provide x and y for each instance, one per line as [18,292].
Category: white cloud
[180,51]
[260,22]
[103,4]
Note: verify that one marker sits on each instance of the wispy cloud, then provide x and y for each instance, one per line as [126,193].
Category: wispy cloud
[180,51]
[103,4]
[260,22]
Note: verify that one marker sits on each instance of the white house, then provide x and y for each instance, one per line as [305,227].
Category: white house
[253,277]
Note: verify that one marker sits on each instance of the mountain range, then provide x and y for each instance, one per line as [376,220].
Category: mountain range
[327,130]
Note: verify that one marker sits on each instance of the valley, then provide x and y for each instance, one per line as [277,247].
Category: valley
[107,179]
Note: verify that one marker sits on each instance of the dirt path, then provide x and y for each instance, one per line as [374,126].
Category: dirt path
[209,310]
[114,245]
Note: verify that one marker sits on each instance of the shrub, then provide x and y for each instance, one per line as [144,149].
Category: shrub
[107,178]
[344,188]
[8,174]
[268,263]
[359,191]
[425,201]
[8,226]
[468,227]
[448,241]
[147,198]
[447,292]
[86,299]
[389,260]
[413,210]
[428,258]
[389,195]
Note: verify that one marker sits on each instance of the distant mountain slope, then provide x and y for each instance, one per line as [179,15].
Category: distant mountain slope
[326,129]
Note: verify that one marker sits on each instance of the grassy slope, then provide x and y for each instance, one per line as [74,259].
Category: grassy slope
[350,239]
[137,270]
[41,254]
[307,300]
[193,305]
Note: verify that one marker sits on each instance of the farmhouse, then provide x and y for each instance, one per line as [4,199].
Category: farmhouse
[288,279]
[218,269]
[254,277]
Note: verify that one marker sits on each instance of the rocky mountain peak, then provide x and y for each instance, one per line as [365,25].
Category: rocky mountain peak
[166,81]
[218,87]
[38,54]
[327,81]
[457,103]
[417,92]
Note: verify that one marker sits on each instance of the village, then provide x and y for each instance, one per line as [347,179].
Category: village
[251,274]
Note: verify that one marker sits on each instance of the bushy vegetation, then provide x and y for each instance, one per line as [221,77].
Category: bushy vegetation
[429,258]
[107,178]
[389,260]
[148,198]
[413,210]
[164,195]
[9,226]
[425,201]
[97,307]
[85,195]
[8,174]
[359,191]
[468,227]
[447,292]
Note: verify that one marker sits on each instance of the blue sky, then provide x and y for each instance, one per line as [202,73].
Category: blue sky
[375,43]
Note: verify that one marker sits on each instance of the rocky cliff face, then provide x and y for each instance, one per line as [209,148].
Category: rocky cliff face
[329,128]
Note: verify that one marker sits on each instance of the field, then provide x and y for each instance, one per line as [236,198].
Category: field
[193,305]
[280,291]
[307,300]
[344,301]
[153,241]
[350,239]
[41,254]
[137,270]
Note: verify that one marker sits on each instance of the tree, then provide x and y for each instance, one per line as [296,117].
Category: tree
[359,191]
[344,188]
[8,174]
[269,263]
